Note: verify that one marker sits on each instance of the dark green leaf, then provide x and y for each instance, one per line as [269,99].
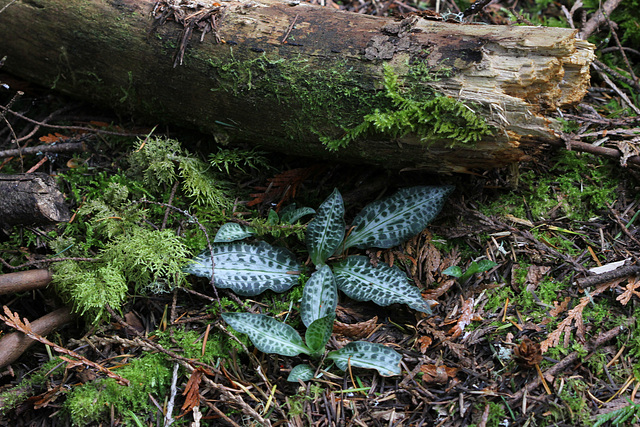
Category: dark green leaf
[391,221]
[326,231]
[368,355]
[267,334]
[248,269]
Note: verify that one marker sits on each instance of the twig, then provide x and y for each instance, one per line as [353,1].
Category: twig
[624,271]
[40,261]
[598,18]
[624,56]
[293,23]
[624,228]
[24,281]
[48,148]
[13,320]
[6,6]
[81,128]
[585,147]
[220,413]
[598,64]
[564,363]
[541,246]
[168,418]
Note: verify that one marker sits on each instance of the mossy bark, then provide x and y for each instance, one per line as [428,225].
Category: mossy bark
[293,77]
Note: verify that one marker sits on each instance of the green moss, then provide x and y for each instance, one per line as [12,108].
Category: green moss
[573,395]
[189,344]
[91,403]
[423,112]
[578,186]
[17,394]
[333,104]
[497,414]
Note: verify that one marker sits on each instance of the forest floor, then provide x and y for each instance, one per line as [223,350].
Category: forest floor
[546,334]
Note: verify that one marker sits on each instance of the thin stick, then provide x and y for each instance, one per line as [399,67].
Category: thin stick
[293,23]
[65,147]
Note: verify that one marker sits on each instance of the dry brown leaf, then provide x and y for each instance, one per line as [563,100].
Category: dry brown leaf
[283,186]
[13,320]
[630,291]
[424,342]
[192,391]
[465,318]
[437,374]
[575,315]
[356,330]
[559,308]
[535,273]
[52,137]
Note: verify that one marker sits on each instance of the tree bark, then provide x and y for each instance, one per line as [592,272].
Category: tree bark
[289,76]
[31,199]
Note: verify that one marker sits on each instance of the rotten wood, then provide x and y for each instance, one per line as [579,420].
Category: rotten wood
[285,75]
[31,199]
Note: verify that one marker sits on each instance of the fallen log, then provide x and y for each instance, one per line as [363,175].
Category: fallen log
[296,78]
[31,199]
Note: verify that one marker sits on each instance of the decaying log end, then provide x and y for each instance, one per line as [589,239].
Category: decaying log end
[31,199]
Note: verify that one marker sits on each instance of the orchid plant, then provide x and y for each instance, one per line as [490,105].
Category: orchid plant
[251,268]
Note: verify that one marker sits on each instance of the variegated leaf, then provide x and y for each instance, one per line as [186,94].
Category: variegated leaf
[302,372]
[384,285]
[319,297]
[319,332]
[391,221]
[267,334]
[248,269]
[367,355]
[326,231]
[230,232]
[290,214]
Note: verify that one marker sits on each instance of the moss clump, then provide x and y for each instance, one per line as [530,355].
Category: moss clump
[14,396]
[190,344]
[91,403]
[333,101]
[129,256]
[578,186]
[433,117]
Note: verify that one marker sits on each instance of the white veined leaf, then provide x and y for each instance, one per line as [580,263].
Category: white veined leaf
[319,297]
[326,231]
[319,332]
[290,214]
[368,355]
[301,372]
[230,232]
[384,285]
[392,221]
[267,334]
[248,269]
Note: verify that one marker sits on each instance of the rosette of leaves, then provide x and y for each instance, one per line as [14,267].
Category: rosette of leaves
[250,269]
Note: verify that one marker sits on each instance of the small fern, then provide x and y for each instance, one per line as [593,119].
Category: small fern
[161,161]
[439,117]
[620,417]
[134,259]
[227,159]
